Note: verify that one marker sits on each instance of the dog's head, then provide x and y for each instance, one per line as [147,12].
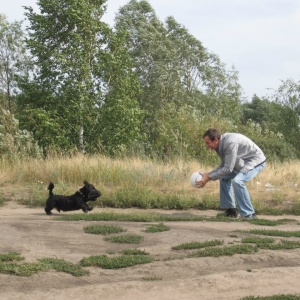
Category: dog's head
[89,192]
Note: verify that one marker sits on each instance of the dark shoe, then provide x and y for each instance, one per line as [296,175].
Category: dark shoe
[252,216]
[231,212]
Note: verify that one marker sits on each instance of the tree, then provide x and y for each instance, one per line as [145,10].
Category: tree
[15,142]
[13,60]
[67,41]
[121,116]
[278,124]
[174,70]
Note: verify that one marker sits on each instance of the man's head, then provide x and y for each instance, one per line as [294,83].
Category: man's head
[211,138]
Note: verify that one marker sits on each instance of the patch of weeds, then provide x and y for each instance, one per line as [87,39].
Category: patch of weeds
[157,228]
[63,266]
[103,229]
[283,245]
[225,251]
[130,217]
[117,262]
[152,278]
[198,245]
[233,235]
[2,201]
[257,240]
[24,269]
[274,232]
[265,222]
[170,258]
[11,256]
[37,197]
[134,252]
[274,297]
[125,239]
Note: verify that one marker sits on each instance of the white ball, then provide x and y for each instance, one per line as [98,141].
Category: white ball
[195,177]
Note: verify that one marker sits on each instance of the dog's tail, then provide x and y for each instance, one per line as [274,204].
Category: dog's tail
[50,188]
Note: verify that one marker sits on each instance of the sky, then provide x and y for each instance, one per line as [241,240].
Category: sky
[259,38]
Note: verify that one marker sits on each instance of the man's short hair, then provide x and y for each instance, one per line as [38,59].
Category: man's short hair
[212,133]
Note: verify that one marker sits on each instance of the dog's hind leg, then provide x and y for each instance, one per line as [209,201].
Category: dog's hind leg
[49,207]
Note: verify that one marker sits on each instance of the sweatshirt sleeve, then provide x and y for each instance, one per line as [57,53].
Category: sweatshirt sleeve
[228,162]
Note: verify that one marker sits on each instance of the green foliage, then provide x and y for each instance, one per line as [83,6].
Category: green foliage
[145,87]
[61,265]
[16,143]
[225,251]
[66,77]
[282,245]
[157,228]
[277,123]
[275,232]
[125,239]
[13,61]
[176,74]
[117,262]
[134,252]
[103,229]
[120,115]
[198,245]
[257,240]
[11,256]
[131,217]
[24,269]
[274,297]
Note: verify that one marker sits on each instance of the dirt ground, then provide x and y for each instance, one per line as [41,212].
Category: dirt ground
[35,235]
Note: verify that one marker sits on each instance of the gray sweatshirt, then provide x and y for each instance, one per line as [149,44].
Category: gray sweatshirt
[238,154]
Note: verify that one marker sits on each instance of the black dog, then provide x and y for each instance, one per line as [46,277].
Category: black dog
[74,202]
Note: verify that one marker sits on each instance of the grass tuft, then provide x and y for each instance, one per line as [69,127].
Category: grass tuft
[157,228]
[225,251]
[125,239]
[103,229]
[117,262]
[198,245]
[63,266]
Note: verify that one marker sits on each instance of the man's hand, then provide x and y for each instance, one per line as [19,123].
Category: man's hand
[201,183]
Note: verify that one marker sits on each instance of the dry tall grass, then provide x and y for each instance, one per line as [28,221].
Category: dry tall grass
[278,182]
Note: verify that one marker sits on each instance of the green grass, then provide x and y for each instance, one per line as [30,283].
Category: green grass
[265,222]
[2,201]
[11,256]
[257,240]
[134,252]
[116,262]
[157,228]
[282,245]
[9,264]
[273,232]
[61,265]
[274,297]
[125,239]
[225,251]
[152,278]
[23,269]
[197,245]
[128,217]
[103,229]
[155,217]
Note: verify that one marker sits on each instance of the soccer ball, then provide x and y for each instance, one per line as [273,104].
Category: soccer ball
[195,177]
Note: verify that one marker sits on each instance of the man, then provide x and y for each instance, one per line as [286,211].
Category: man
[241,160]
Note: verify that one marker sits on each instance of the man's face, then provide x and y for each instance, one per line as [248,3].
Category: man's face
[211,144]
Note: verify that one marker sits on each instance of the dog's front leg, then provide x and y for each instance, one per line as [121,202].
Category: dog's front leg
[84,207]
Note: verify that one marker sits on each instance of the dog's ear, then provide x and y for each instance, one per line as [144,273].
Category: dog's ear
[85,182]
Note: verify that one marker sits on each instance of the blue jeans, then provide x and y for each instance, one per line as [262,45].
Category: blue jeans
[234,184]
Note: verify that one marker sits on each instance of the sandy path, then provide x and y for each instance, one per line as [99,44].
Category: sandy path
[36,235]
